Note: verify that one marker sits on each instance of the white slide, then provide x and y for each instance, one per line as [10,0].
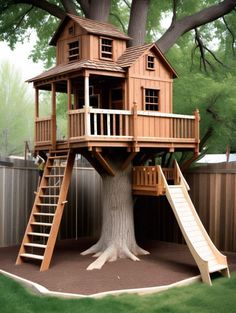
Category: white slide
[207,256]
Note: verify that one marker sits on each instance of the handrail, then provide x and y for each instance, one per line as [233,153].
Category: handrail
[162,114]
[180,176]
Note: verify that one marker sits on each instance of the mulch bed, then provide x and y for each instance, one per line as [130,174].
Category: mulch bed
[167,263]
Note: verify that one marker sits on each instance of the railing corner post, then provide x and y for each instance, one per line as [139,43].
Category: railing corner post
[87,121]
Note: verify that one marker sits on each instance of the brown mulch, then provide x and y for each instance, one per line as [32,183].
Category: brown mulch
[167,263]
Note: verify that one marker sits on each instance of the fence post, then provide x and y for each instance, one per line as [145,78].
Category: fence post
[196,130]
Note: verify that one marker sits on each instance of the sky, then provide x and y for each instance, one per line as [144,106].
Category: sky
[20,58]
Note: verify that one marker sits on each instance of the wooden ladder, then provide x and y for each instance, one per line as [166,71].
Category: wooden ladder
[44,222]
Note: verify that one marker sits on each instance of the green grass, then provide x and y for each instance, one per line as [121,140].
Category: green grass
[199,298]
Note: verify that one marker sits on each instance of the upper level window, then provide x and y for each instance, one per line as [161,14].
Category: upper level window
[150,62]
[73,51]
[151,99]
[106,48]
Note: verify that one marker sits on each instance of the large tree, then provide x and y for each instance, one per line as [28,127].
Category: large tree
[141,20]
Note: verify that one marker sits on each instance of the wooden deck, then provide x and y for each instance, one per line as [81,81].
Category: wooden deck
[90,127]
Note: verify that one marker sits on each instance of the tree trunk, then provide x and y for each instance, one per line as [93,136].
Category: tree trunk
[99,10]
[117,237]
[137,22]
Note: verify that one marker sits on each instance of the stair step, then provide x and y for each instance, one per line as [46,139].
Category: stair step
[56,166]
[49,196]
[45,187]
[38,234]
[58,157]
[59,151]
[46,204]
[44,214]
[35,245]
[32,256]
[41,224]
[48,176]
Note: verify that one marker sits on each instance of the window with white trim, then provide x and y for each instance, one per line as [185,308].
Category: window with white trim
[150,62]
[151,98]
[73,51]
[105,48]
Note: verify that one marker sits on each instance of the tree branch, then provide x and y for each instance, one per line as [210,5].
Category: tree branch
[175,4]
[119,20]
[127,3]
[69,6]
[193,21]
[84,4]
[231,33]
[44,5]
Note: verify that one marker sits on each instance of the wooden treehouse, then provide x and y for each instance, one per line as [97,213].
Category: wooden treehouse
[117,98]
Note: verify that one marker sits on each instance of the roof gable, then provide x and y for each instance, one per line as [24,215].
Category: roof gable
[132,54]
[91,27]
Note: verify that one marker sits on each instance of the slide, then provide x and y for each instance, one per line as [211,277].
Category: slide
[207,256]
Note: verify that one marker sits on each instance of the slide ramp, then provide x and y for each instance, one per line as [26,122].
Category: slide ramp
[208,258]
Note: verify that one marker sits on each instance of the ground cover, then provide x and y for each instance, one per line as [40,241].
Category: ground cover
[194,298]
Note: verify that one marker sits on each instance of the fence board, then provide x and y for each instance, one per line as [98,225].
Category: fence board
[212,191]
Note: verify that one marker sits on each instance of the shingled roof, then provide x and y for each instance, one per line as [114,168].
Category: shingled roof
[77,66]
[91,27]
[131,55]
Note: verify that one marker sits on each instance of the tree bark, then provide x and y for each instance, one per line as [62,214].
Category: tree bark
[117,237]
[137,22]
[99,10]
[69,6]
[180,27]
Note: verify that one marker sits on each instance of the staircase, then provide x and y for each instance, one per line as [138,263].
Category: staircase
[44,222]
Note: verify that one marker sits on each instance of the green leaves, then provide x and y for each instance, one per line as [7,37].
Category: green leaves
[16,111]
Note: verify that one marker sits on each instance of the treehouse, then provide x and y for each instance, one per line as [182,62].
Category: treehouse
[117,98]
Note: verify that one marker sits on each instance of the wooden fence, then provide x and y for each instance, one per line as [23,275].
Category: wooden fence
[82,215]
[212,191]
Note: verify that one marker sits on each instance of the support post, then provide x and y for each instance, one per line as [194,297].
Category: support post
[135,127]
[196,130]
[36,135]
[53,130]
[87,106]
[69,107]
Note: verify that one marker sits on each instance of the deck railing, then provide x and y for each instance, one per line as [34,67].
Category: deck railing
[147,179]
[138,126]
[43,131]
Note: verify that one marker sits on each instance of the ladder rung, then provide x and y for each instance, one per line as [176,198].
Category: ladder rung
[58,157]
[45,187]
[49,196]
[32,256]
[38,234]
[48,176]
[41,224]
[59,151]
[56,166]
[35,245]
[44,214]
[46,204]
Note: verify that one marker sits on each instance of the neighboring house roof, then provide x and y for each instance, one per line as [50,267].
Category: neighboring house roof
[79,65]
[91,27]
[217,158]
[131,54]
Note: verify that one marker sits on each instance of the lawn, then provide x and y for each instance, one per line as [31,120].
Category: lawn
[198,297]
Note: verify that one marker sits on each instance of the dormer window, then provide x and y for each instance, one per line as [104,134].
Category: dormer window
[73,51]
[150,62]
[106,48]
